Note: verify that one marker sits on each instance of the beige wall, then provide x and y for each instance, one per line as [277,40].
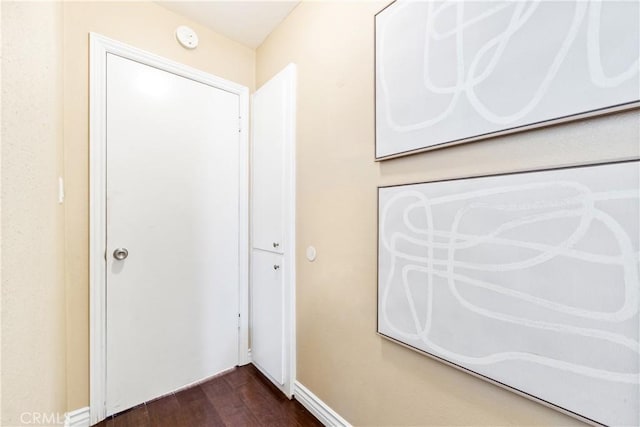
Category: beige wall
[367,379]
[33,305]
[340,358]
[150,27]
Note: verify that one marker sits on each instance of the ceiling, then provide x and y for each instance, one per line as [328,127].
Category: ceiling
[247,22]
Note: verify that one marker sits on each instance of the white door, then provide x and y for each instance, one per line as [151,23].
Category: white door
[173,204]
[269,134]
[273,225]
[267,313]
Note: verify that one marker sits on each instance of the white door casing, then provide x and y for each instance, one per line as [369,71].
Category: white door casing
[273,229]
[100,269]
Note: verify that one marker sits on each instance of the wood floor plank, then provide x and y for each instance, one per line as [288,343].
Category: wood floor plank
[134,417]
[242,397]
[164,412]
[196,409]
[281,411]
[229,404]
[239,376]
[303,417]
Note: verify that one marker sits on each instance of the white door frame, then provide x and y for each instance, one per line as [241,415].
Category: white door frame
[99,47]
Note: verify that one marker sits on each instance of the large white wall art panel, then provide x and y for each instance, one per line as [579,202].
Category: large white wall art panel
[456,71]
[527,279]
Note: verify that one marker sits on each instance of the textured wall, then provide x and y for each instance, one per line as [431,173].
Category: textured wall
[147,26]
[367,379]
[33,305]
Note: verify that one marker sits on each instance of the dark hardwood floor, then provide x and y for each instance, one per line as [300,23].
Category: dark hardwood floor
[242,397]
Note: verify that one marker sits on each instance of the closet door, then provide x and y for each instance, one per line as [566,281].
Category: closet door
[268,167]
[273,226]
[267,314]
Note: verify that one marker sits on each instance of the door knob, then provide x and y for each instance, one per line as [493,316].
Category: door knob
[275,245]
[276,267]
[120,254]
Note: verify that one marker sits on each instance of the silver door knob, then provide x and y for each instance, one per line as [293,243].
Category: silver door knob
[276,267]
[275,245]
[120,254]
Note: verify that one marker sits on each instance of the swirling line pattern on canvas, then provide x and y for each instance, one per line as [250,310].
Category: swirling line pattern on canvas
[469,75]
[582,206]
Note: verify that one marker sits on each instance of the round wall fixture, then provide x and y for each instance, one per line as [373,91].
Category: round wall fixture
[311,253]
[187,37]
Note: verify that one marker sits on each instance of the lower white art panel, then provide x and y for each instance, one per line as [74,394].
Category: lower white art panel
[527,279]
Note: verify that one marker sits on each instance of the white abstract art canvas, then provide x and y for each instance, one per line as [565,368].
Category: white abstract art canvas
[457,71]
[528,279]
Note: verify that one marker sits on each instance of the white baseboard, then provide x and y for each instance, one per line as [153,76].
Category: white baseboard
[78,418]
[317,407]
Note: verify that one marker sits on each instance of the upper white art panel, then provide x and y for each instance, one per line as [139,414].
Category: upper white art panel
[456,71]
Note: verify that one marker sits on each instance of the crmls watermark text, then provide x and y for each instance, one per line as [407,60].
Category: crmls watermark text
[43,418]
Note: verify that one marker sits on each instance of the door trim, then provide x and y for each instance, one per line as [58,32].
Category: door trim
[291,71]
[99,47]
